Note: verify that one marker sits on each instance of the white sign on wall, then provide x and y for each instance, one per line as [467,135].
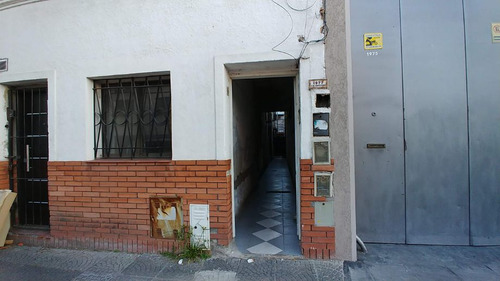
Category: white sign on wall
[495,32]
[318,84]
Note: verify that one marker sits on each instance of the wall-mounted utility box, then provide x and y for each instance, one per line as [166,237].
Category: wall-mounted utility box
[199,222]
[321,152]
[323,214]
[323,186]
[321,124]
[322,100]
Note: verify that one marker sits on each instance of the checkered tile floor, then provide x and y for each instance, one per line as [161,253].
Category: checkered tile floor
[267,224]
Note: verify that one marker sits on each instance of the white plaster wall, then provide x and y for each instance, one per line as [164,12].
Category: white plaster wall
[312,66]
[78,40]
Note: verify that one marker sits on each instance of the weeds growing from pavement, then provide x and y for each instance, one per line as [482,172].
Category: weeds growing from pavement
[187,250]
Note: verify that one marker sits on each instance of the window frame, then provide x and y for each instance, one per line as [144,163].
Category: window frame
[132,117]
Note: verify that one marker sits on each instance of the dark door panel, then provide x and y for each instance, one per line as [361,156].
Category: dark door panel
[29,153]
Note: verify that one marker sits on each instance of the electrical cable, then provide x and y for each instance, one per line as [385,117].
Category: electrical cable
[305,22]
[325,33]
[300,10]
[325,26]
[303,49]
[289,33]
[309,31]
[306,43]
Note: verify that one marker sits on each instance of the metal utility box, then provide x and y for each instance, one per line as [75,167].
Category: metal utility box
[323,214]
[199,222]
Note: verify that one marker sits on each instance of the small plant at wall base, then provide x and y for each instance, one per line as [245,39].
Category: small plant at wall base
[187,250]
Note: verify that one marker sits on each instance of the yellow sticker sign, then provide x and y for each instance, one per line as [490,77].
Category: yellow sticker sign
[373,41]
[495,32]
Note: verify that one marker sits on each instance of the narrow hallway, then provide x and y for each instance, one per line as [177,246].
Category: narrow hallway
[267,224]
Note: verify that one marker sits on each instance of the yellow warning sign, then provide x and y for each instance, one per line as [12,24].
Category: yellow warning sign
[495,32]
[373,41]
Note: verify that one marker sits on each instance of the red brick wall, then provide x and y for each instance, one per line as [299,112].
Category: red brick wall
[106,202]
[4,174]
[318,242]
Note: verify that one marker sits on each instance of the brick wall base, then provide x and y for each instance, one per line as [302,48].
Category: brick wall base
[318,242]
[104,204]
[4,175]
[44,239]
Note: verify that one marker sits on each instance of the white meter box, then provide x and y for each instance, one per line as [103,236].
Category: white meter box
[199,221]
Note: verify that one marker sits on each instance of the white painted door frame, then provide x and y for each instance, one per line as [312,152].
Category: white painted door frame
[250,66]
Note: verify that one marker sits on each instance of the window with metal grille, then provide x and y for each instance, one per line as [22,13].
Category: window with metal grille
[132,117]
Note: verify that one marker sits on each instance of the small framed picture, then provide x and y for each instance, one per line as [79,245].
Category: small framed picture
[321,152]
[323,186]
[321,124]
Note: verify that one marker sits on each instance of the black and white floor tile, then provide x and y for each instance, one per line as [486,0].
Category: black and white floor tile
[267,224]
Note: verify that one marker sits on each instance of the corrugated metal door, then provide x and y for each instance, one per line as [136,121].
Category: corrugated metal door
[435,100]
[483,65]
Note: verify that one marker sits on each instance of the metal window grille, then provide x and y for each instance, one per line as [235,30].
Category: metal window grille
[132,117]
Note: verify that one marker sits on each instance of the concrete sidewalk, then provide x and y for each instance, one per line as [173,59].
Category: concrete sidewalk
[35,263]
[382,262]
[411,262]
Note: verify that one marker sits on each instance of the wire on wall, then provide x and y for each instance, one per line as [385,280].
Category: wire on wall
[300,10]
[306,43]
[289,33]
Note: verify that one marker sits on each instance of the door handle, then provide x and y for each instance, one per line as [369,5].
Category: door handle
[28,158]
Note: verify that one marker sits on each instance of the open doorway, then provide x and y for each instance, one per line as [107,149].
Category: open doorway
[264,161]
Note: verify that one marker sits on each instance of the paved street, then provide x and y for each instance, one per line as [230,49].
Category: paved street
[411,262]
[382,262]
[34,263]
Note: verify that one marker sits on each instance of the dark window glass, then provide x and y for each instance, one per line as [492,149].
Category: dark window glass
[132,117]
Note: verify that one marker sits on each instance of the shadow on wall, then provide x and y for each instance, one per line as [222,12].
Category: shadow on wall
[256,137]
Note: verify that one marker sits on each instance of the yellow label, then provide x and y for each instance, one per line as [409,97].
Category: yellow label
[373,41]
[495,32]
